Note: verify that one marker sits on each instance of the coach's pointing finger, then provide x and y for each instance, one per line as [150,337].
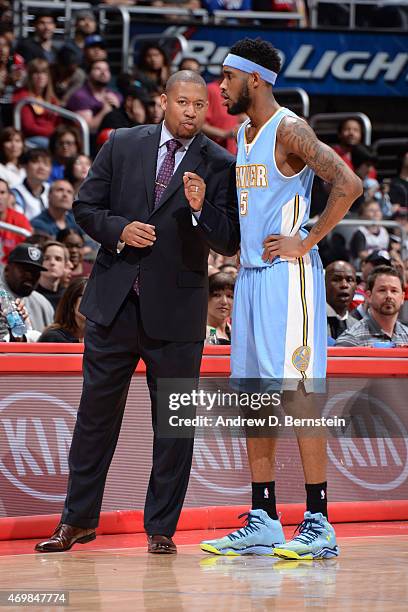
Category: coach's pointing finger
[194,189]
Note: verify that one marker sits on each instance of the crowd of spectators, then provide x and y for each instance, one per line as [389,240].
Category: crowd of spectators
[43,165]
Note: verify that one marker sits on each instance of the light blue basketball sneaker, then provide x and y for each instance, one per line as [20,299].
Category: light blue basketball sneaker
[316,539]
[258,537]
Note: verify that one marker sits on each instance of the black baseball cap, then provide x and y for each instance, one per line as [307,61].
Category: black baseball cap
[28,254]
[379,258]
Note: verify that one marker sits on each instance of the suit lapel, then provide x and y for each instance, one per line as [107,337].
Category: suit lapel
[150,146]
[189,163]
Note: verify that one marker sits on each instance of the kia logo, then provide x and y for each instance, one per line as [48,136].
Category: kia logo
[214,455]
[35,436]
[378,463]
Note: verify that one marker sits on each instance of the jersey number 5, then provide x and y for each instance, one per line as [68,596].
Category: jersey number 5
[243,203]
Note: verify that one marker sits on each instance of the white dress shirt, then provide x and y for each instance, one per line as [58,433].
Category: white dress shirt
[161,154]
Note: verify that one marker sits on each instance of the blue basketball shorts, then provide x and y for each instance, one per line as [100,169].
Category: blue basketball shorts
[279,325]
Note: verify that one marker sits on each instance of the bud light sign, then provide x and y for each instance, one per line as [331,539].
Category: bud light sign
[332,63]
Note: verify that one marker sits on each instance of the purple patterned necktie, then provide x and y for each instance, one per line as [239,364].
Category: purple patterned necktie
[166,169]
[163,179]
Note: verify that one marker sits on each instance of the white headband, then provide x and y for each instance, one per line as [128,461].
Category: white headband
[240,63]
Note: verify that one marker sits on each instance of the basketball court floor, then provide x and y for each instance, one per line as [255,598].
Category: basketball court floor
[114,573]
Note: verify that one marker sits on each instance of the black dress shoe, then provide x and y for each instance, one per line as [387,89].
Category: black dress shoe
[64,537]
[160,544]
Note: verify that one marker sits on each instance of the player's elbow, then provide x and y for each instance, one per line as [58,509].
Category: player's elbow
[356,187]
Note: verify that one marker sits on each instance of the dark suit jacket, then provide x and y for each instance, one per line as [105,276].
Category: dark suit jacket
[173,272]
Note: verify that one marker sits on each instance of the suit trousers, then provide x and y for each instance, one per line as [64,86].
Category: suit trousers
[110,357]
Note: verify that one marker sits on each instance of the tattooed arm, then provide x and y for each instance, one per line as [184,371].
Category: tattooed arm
[300,140]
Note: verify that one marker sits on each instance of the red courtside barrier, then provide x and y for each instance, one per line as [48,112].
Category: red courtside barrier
[40,386]
[56,358]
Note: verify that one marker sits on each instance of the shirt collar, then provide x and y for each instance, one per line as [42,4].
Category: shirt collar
[332,313]
[166,135]
[27,186]
[376,330]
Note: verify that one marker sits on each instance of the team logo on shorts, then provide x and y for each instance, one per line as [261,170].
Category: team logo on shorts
[301,358]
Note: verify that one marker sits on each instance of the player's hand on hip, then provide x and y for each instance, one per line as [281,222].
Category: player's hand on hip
[194,189]
[138,234]
[283,246]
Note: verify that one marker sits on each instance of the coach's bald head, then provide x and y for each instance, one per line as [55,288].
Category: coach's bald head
[185,104]
[184,76]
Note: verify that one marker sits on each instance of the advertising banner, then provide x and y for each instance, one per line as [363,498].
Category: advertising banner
[331,63]
[37,416]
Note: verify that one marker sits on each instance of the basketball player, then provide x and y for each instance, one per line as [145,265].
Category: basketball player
[279,317]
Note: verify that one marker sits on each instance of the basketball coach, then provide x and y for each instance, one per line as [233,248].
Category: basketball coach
[156,199]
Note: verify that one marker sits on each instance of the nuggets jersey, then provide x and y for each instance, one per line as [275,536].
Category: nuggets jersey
[279,326]
[269,202]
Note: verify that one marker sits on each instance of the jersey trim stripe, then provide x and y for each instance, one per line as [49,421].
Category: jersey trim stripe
[295,212]
[304,304]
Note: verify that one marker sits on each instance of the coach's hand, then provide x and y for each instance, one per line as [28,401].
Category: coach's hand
[138,234]
[194,188]
[283,246]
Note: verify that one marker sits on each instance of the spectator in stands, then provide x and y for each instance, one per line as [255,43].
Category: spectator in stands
[281,6]
[382,195]
[37,122]
[363,161]
[372,261]
[230,269]
[85,25]
[227,5]
[372,237]
[32,193]
[219,124]
[20,278]
[12,72]
[133,111]
[59,213]
[69,323]
[153,67]
[155,112]
[94,99]
[11,151]
[340,287]
[188,5]
[9,239]
[385,297]
[74,242]
[41,45]
[65,143]
[399,185]
[76,171]
[94,50]
[125,80]
[350,134]
[7,30]
[55,260]
[190,63]
[395,247]
[38,239]
[401,217]
[67,76]
[220,300]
